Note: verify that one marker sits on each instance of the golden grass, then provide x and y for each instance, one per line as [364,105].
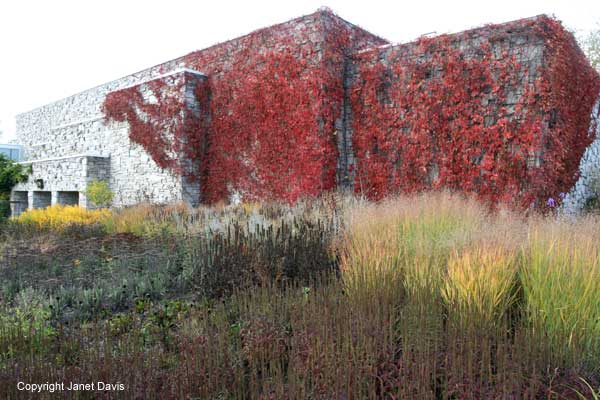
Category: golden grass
[402,241]
[145,219]
[480,284]
[442,248]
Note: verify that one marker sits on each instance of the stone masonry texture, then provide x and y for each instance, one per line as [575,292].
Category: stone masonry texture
[69,143]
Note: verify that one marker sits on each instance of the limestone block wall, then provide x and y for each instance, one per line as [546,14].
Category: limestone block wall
[38,130]
[587,187]
[251,167]
[135,177]
[58,180]
[65,139]
[75,125]
[340,119]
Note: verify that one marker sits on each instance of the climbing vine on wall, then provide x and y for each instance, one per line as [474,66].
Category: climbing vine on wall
[434,115]
[567,91]
[276,97]
[416,124]
[268,142]
[158,118]
[455,111]
[270,133]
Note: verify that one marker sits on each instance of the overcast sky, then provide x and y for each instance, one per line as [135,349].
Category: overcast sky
[52,49]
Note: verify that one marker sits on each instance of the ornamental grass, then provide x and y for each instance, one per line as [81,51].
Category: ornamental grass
[480,285]
[428,296]
[561,287]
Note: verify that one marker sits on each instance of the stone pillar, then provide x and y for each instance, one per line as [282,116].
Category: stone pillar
[83,201]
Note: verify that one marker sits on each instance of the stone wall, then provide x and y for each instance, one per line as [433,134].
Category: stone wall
[69,143]
[38,129]
[62,174]
[75,125]
[323,42]
[586,192]
[67,153]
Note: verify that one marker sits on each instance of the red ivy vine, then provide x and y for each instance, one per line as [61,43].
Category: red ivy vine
[159,120]
[276,96]
[267,143]
[432,115]
[429,114]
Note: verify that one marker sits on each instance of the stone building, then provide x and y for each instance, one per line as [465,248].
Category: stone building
[70,143]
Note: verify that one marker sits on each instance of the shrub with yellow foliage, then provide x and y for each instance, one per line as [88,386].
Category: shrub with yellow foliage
[58,217]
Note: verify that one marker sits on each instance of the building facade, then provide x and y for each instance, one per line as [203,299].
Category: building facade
[315,104]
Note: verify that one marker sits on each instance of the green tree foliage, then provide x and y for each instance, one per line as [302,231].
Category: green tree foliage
[11,173]
[99,193]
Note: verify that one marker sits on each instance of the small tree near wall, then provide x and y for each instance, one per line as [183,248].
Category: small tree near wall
[11,173]
[99,193]
[591,46]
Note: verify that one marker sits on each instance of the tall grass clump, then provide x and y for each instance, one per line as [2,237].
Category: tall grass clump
[480,287]
[179,219]
[561,285]
[300,250]
[404,242]
[146,219]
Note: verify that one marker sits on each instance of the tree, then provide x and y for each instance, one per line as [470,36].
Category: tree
[99,193]
[591,46]
[11,173]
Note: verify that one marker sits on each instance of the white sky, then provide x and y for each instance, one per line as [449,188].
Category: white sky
[50,49]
